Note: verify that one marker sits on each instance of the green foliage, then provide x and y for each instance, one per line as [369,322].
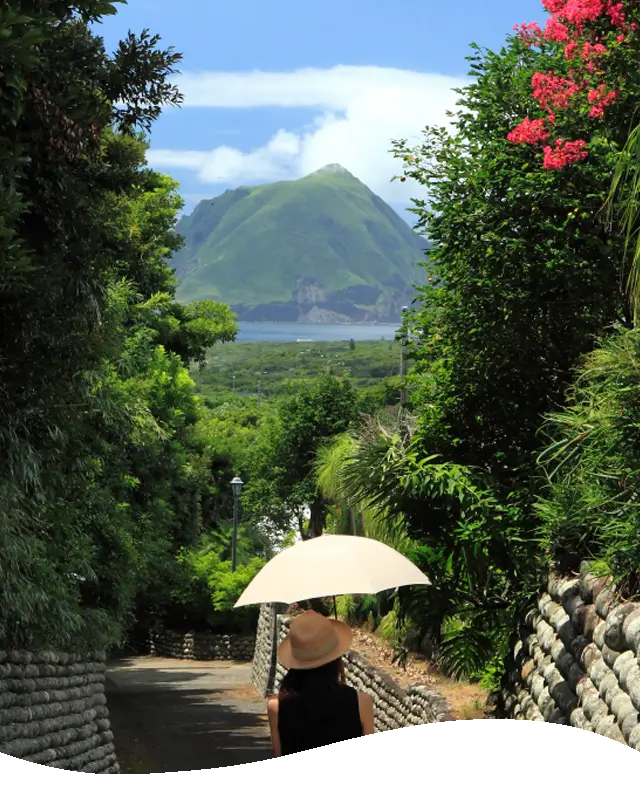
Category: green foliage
[623,207]
[589,508]
[390,630]
[256,247]
[282,471]
[523,276]
[210,589]
[103,476]
[282,367]
[347,609]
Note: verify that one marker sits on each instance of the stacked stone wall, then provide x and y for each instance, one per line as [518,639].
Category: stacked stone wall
[197,646]
[53,711]
[577,661]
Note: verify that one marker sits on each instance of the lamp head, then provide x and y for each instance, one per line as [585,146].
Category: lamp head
[237,484]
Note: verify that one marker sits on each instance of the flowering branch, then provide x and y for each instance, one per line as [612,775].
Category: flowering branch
[587,30]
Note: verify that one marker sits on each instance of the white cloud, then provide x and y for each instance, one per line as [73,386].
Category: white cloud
[360,111]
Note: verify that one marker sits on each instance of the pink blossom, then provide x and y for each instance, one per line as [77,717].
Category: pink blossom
[600,99]
[529,132]
[615,11]
[553,6]
[555,31]
[577,12]
[570,50]
[564,153]
[530,32]
[590,51]
[550,90]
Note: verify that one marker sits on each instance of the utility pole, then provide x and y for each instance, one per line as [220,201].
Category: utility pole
[234,383]
[403,360]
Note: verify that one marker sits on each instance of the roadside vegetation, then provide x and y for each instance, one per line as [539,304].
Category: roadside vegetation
[122,424]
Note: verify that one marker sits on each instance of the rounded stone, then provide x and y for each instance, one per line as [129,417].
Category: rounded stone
[614,635]
[609,687]
[610,656]
[598,634]
[590,655]
[605,725]
[631,631]
[622,706]
[591,701]
[587,582]
[627,668]
[578,615]
[623,660]
[598,671]
[631,683]
[628,723]
[579,720]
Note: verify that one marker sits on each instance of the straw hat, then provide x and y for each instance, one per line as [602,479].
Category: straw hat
[314,640]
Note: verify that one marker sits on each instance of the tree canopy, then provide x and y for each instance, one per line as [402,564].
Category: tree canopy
[103,475]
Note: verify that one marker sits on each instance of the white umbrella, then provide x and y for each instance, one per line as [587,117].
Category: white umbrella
[331,565]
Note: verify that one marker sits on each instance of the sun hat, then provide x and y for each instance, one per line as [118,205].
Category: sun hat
[314,640]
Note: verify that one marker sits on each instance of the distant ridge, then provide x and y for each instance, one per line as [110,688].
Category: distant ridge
[323,248]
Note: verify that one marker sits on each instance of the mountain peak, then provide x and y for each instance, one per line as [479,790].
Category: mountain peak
[332,168]
[329,249]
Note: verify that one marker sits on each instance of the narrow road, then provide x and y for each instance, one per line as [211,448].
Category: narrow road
[172,716]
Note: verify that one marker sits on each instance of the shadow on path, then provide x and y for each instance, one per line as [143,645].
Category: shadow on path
[174,716]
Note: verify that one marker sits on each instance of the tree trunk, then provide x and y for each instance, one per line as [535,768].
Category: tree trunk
[317,519]
[352,518]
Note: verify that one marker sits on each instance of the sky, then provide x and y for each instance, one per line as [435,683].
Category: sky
[275,90]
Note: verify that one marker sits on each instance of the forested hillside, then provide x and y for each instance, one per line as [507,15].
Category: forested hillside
[320,249]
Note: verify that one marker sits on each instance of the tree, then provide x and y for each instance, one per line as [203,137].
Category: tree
[282,474]
[523,277]
[102,475]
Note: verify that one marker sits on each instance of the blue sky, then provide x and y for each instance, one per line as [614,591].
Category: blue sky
[274,90]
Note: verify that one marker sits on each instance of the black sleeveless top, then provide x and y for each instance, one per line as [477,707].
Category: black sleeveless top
[315,720]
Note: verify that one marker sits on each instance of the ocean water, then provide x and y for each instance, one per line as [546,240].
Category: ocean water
[293,331]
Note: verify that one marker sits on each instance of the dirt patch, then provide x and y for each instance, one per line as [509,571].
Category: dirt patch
[467,700]
[246,692]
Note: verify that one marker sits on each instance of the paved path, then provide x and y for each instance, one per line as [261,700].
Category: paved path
[171,716]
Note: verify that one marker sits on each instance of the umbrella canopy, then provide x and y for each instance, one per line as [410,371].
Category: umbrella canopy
[331,565]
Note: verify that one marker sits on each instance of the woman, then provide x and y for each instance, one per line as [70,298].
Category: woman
[315,706]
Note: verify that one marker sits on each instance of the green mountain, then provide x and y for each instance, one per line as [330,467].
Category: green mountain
[324,248]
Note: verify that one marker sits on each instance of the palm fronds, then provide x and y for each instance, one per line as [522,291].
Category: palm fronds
[624,201]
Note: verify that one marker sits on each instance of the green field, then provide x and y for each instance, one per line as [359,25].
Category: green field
[278,366]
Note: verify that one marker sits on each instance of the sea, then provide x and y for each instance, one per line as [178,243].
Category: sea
[316,332]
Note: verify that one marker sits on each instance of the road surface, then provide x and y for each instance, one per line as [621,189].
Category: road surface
[169,715]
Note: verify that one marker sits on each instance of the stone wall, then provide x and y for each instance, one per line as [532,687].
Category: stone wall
[197,646]
[394,707]
[577,661]
[53,711]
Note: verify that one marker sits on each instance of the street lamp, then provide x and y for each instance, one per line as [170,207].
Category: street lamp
[236,484]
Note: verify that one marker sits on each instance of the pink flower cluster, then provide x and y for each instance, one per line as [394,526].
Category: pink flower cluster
[529,132]
[551,91]
[600,99]
[564,153]
[577,13]
[570,24]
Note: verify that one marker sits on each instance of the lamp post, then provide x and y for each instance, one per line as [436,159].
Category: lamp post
[236,484]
